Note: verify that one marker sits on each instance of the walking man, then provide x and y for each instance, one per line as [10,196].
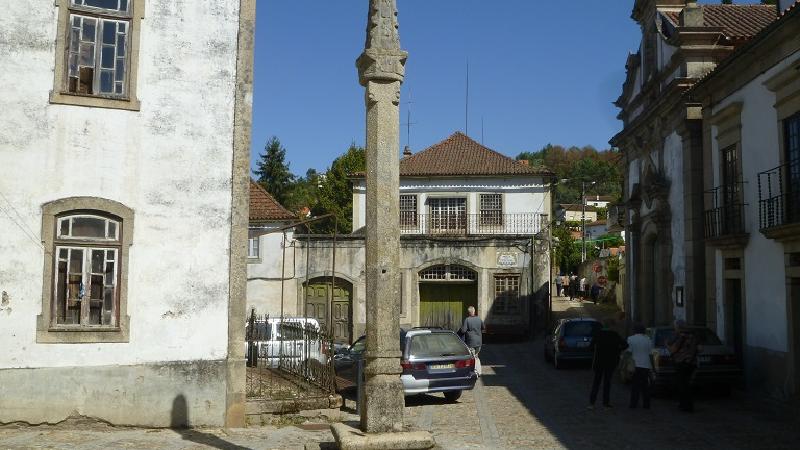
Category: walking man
[607,347]
[641,348]
[595,292]
[558,285]
[472,330]
[683,348]
[573,286]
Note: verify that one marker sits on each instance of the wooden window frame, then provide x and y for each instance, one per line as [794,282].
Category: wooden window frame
[60,93]
[48,331]
[502,299]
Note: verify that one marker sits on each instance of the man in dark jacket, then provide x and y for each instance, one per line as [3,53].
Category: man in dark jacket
[607,345]
[683,348]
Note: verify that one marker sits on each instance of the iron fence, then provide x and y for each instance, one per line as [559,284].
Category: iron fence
[725,217]
[487,223]
[288,357]
[779,195]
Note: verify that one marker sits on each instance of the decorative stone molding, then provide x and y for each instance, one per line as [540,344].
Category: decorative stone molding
[383,59]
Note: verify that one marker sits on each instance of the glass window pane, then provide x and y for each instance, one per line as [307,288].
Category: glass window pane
[76,261]
[120,44]
[109,32]
[74,39]
[88,227]
[108,305]
[63,229]
[120,75]
[61,290]
[115,5]
[62,255]
[107,57]
[97,261]
[96,287]
[111,255]
[107,81]
[89,29]
[109,273]
[87,55]
[112,230]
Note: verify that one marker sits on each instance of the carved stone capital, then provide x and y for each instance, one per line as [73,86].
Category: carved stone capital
[381,65]
[383,92]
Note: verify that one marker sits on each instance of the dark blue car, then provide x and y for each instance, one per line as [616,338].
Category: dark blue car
[571,341]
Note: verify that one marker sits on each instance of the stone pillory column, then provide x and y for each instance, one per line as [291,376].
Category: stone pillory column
[381,70]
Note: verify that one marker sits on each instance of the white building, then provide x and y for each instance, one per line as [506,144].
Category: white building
[271,257]
[575,212]
[751,135]
[474,232]
[124,141]
[662,142]
[599,201]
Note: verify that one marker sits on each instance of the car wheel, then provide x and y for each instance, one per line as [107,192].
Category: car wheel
[452,396]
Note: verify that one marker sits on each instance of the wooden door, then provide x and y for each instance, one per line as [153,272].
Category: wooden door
[445,304]
[317,299]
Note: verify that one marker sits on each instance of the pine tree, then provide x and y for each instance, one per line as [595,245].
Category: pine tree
[273,171]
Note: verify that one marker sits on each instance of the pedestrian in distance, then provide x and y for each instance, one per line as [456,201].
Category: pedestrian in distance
[573,285]
[641,348]
[472,330]
[595,292]
[683,348]
[583,288]
[607,345]
[558,285]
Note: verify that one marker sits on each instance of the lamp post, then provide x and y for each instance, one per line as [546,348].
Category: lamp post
[583,219]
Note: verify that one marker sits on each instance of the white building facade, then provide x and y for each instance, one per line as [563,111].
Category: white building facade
[751,112]
[122,251]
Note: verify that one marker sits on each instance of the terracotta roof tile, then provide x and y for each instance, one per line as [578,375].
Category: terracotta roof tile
[459,155]
[264,207]
[736,21]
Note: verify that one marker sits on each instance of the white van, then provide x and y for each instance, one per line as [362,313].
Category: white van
[285,338]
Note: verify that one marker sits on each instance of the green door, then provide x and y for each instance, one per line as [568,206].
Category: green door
[445,304]
[317,298]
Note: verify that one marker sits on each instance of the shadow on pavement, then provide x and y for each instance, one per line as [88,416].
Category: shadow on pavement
[179,422]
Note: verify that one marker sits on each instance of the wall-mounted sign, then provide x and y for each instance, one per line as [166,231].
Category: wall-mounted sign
[507,259]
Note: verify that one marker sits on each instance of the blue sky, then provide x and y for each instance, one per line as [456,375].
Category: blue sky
[540,72]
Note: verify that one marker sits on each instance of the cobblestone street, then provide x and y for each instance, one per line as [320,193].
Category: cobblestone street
[520,402]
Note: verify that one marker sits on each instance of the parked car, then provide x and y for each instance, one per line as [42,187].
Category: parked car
[571,340]
[717,364]
[286,338]
[434,360]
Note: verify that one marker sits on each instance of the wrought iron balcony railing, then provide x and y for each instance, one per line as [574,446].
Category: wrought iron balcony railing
[726,215]
[472,224]
[779,196]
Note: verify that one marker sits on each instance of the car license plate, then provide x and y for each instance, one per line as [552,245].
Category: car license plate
[583,344]
[441,366]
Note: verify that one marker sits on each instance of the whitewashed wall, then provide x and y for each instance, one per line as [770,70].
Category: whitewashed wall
[764,267]
[673,169]
[169,162]
[273,271]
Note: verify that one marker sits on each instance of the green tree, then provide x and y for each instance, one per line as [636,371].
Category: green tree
[335,191]
[304,192]
[566,250]
[273,172]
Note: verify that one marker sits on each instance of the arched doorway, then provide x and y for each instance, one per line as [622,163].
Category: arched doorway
[319,294]
[445,293]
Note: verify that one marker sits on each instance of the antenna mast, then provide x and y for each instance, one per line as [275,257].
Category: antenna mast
[466,109]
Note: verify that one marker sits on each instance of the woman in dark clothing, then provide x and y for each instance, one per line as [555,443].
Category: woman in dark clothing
[608,345]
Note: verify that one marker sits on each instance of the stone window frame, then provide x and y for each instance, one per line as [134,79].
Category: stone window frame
[502,300]
[46,331]
[786,86]
[60,95]
[257,238]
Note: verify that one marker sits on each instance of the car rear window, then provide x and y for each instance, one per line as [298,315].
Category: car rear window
[262,331]
[586,328]
[437,344]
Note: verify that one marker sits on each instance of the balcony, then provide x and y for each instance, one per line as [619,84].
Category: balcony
[472,224]
[779,202]
[724,222]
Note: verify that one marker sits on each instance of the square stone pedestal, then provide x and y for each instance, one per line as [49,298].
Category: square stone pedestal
[349,438]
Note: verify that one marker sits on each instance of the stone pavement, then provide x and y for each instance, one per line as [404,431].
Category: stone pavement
[520,402]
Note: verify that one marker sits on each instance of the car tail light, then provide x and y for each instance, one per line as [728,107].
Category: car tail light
[562,343]
[408,366]
[465,363]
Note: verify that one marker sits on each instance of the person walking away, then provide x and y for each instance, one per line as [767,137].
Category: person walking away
[641,348]
[607,346]
[583,288]
[573,286]
[595,292]
[472,330]
[558,285]
[683,348]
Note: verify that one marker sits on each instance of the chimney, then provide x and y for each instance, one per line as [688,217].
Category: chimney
[692,15]
[524,162]
[407,151]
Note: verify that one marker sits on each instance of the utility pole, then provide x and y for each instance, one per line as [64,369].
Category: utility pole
[583,219]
